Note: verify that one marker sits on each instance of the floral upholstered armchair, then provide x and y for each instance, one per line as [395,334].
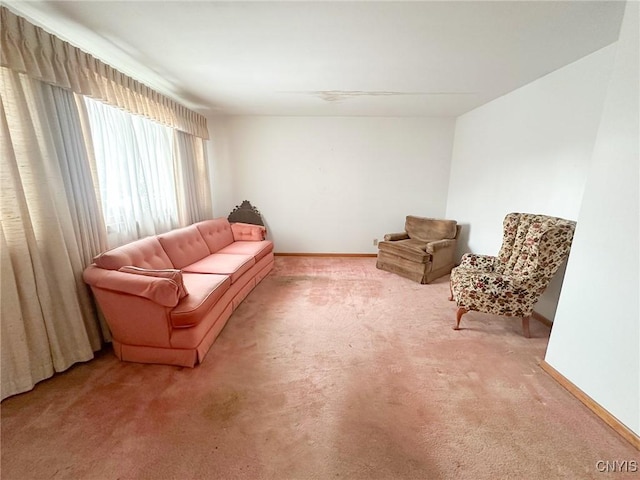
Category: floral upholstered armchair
[533,248]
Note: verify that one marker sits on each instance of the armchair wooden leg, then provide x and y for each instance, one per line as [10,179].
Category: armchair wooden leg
[525,327]
[461,311]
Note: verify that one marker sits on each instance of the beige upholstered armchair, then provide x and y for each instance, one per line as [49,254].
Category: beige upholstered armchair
[533,248]
[423,252]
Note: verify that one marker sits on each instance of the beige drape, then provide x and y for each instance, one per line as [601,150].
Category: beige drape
[193,190]
[29,49]
[50,229]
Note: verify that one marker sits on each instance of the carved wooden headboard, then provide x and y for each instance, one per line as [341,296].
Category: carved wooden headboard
[245,213]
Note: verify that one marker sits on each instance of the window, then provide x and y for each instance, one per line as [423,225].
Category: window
[135,172]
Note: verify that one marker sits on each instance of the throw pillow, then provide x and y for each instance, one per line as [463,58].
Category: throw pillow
[248,231]
[170,273]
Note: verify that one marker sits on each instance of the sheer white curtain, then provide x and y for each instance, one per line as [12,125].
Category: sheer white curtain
[49,227]
[192,178]
[135,173]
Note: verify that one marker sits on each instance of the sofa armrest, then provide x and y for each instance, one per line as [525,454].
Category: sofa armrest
[433,247]
[485,263]
[392,237]
[163,291]
[248,232]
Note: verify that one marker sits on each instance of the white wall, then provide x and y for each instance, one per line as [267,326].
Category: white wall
[595,342]
[333,184]
[528,151]
[220,166]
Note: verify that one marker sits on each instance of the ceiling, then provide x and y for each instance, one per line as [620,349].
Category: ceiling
[332,58]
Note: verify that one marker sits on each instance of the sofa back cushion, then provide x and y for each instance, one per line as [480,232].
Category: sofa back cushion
[216,233]
[425,229]
[144,253]
[184,246]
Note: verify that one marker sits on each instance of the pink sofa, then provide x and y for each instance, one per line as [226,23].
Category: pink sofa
[187,283]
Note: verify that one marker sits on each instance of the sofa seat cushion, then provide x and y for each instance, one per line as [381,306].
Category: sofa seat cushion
[222,264]
[184,246]
[144,253]
[410,249]
[256,249]
[216,233]
[204,293]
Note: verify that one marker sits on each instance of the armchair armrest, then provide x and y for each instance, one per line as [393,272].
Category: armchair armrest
[497,283]
[163,291]
[436,245]
[248,232]
[485,263]
[495,293]
[392,237]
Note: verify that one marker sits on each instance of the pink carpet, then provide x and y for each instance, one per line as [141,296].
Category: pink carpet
[329,369]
